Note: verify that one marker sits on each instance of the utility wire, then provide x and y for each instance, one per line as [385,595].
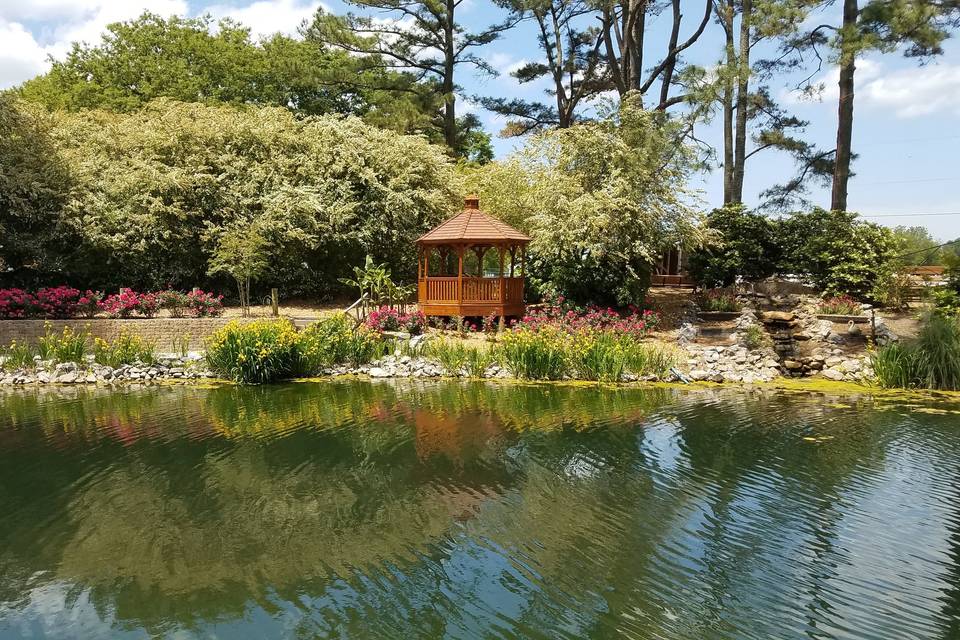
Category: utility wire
[910,215]
[928,249]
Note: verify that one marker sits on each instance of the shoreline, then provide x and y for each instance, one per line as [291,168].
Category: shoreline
[807,385]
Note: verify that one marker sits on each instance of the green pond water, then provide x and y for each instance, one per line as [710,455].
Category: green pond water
[447,510]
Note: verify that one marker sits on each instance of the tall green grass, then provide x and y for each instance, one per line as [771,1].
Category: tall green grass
[604,356]
[932,361]
[66,346]
[126,348]
[18,355]
[536,355]
[457,358]
[336,340]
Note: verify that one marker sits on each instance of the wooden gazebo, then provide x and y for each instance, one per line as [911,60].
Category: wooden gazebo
[471,265]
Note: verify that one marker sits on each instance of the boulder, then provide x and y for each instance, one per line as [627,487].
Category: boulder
[777,316]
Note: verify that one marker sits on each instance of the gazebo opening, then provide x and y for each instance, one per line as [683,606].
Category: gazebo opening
[471,265]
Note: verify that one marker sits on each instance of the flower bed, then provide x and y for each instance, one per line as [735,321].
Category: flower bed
[558,314]
[839,306]
[66,302]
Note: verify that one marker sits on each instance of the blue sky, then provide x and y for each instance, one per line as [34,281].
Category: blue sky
[907,117]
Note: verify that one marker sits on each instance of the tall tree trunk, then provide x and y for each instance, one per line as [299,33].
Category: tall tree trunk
[728,151]
[671,56]
[743,88]
[450,107]
[841,169]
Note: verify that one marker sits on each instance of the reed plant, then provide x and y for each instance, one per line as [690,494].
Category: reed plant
[126,348]
[181,344]
[931,361]
[257,352]
[535,354]
[66,346]
[452,355]
[479,360]
[335,340]
[18,355]
[599,355]
[650,360]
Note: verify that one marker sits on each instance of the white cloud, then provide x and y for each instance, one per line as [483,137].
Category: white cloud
[99,14]
[21,57]
[505,64]
[907,92]
[32,31]
[266,17]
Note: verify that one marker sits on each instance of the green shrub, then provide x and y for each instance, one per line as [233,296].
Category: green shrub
[947,301]
[743,246]
[125,349]
[754,337]
[261,351]
[838,252]
[66,346]
[932,361]
[535,355]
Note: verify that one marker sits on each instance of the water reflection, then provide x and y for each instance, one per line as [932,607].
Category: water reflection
[435,510]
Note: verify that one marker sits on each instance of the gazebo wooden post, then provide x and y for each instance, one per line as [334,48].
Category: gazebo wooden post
[501,282]
[460,273]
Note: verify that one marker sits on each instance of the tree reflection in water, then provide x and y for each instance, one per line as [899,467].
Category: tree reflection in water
[351,509]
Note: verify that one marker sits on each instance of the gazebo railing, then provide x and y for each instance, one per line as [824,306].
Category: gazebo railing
[446,289]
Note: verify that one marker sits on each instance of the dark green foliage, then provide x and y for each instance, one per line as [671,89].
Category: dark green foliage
[745,246]
[836,251]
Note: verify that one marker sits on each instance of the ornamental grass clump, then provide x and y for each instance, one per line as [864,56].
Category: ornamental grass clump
[452,355]
[931,361]
[17,355]
[256,352]
[650,360]
[335,340]
[126,348]
[535,354]
[606,356]
[599,355]
[66,346]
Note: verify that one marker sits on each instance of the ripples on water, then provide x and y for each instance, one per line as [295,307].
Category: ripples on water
[357,510]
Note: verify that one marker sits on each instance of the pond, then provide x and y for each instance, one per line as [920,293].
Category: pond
[445,510]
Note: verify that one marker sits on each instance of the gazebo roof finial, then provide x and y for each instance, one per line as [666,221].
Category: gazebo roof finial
[472,202]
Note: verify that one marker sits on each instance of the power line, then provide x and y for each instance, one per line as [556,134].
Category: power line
[911,215]
[928,249]
[913,180]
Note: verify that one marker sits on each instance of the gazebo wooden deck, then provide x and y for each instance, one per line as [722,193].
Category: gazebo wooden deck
[458,275]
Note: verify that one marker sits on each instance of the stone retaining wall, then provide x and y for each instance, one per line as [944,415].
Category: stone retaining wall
[165,331]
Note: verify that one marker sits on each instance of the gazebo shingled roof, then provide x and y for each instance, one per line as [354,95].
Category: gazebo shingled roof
[472,225]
